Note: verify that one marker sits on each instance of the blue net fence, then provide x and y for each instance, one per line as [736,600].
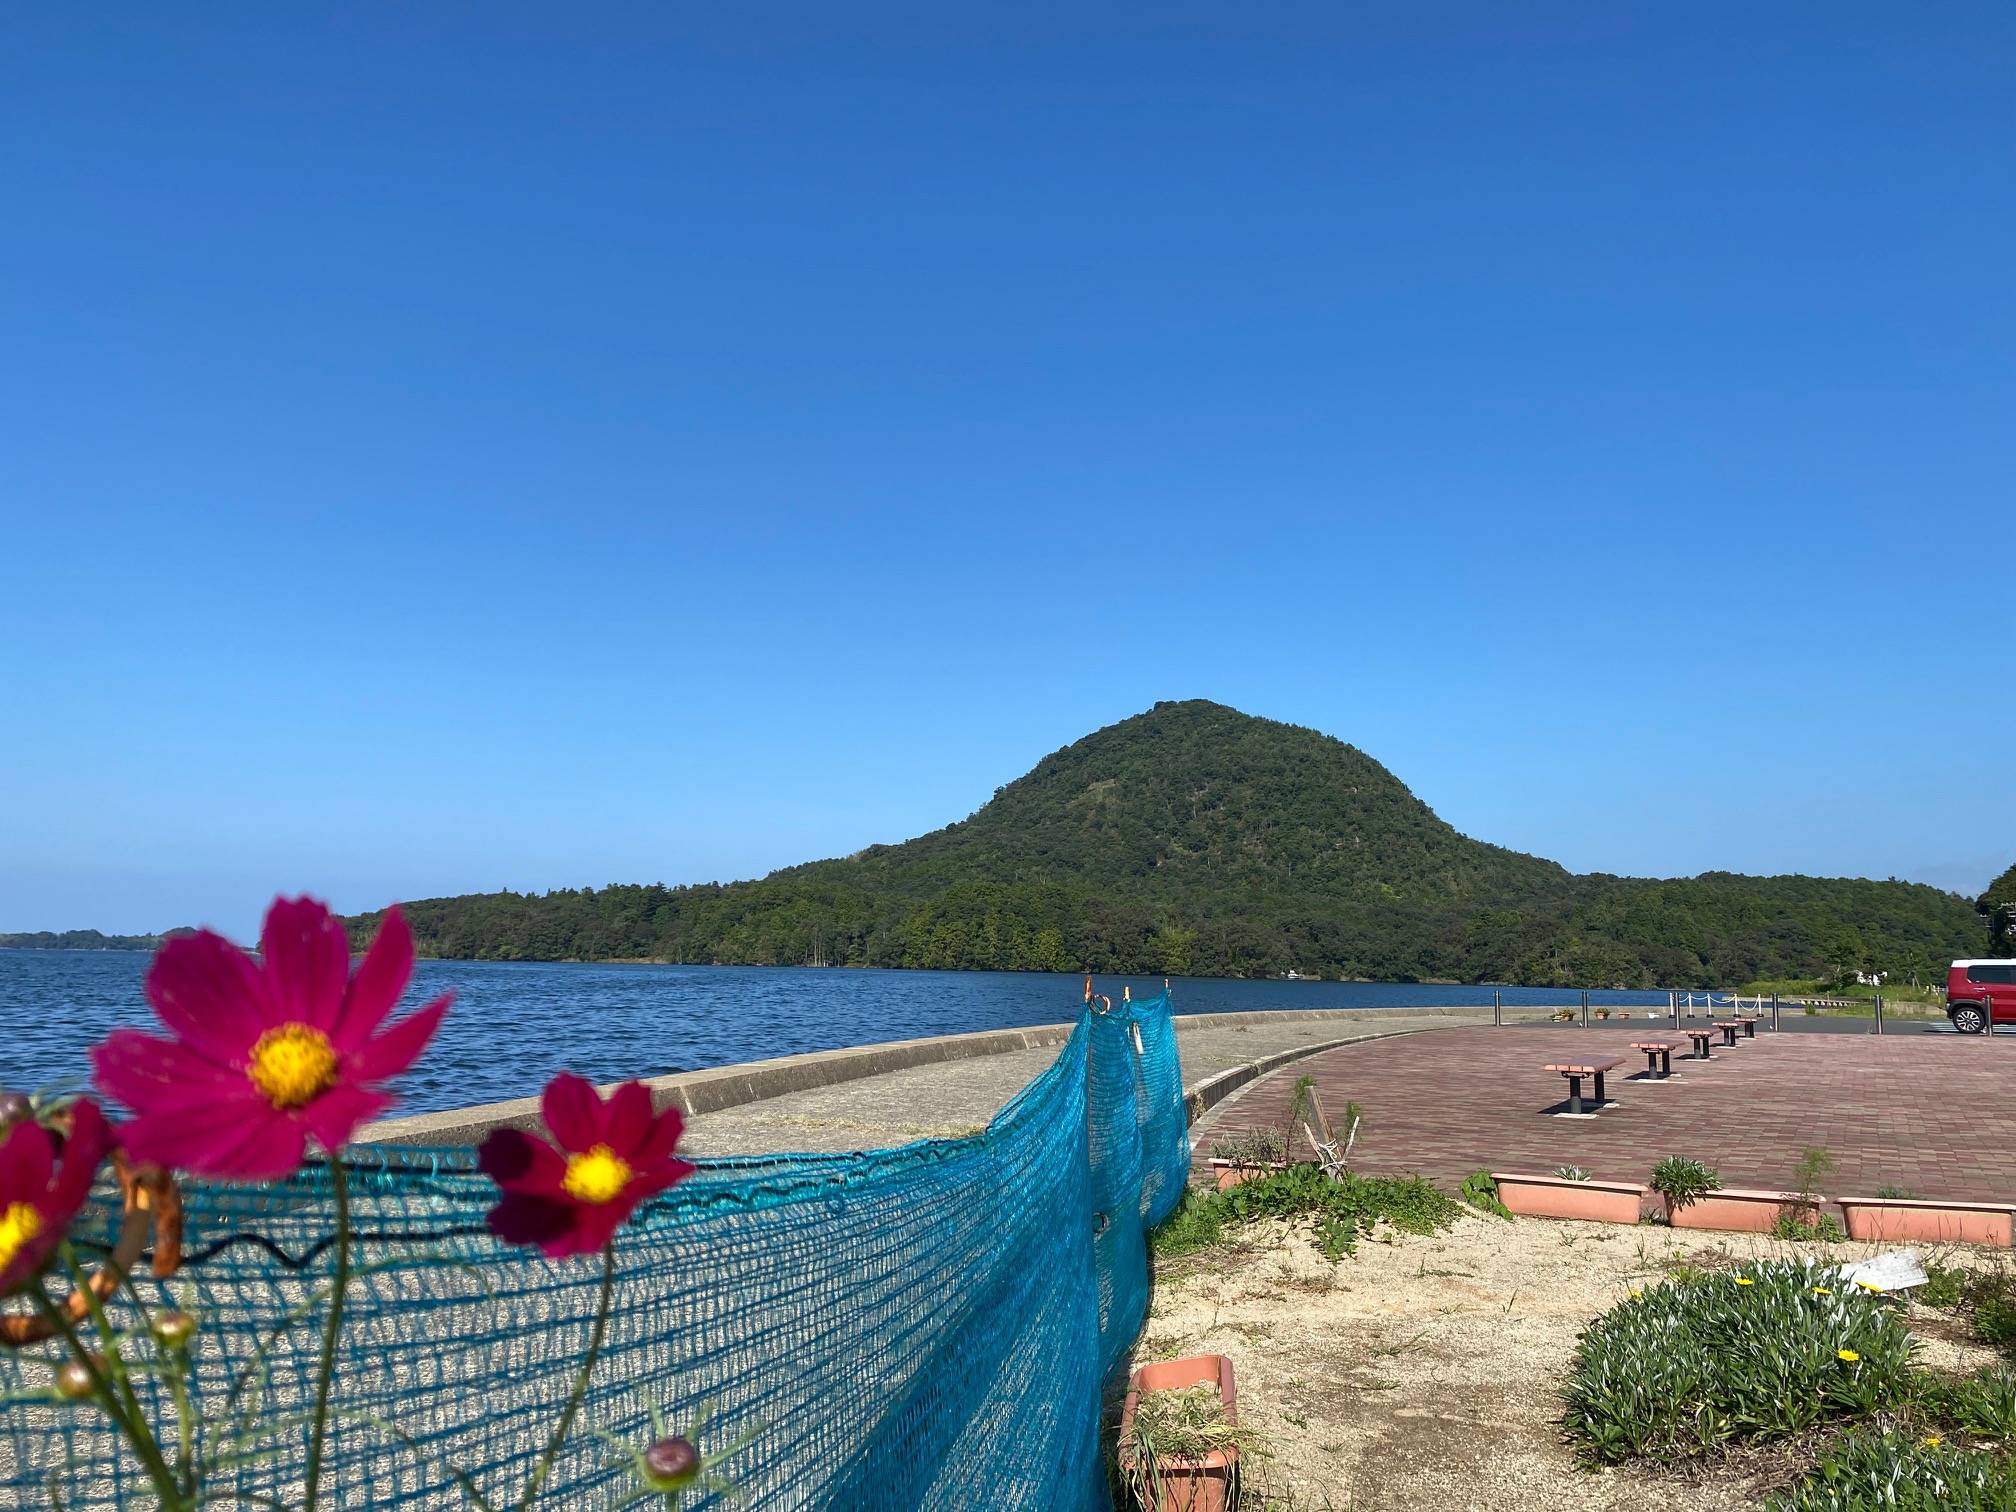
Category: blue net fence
[932,1326]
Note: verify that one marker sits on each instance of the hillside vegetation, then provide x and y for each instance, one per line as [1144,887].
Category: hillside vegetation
[1196,840]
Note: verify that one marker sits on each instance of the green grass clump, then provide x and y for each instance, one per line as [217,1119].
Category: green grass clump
[1343,1210]
[1865,1471]
[1982,1405]
[1984,1299]
[1685,1367]
[1481,1192]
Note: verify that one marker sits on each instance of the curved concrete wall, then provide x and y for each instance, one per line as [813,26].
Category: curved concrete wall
[695,1092]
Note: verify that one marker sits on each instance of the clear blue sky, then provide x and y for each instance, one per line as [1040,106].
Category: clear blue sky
[448,447]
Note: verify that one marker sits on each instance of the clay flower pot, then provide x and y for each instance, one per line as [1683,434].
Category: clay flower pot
[1737,1209]
[1887,1220]
[1229,1173]
[1559,1197]
[1182,1483]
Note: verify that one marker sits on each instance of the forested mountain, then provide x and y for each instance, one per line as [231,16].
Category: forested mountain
[1194,839]
[77,939]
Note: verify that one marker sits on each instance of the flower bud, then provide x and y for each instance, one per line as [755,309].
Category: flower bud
[73,1381]
[175,1328]
[671,1463]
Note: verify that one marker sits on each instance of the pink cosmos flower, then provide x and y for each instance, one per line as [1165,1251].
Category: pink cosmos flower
[40,1193]
[266,1056]
[611,1156]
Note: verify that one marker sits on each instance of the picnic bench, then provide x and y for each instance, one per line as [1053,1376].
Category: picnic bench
[1747,1024]
[1701,1037]
[1575,1071]
[1658,1058]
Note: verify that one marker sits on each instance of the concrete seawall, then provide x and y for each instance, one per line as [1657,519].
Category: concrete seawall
[949,1084]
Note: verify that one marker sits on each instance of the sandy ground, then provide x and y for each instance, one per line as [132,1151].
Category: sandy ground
[1424,1374]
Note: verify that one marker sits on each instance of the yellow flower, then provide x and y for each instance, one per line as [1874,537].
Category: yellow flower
[1868,1286]
[1821,1291]
[1847,1354]
[1745,1281]
[1636,1294]
[1932,1442]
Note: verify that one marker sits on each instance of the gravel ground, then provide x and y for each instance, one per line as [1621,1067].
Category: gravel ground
[1424,1374]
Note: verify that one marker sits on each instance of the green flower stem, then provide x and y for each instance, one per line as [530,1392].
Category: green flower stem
[339,1185]
[132,1425]
[545,1466]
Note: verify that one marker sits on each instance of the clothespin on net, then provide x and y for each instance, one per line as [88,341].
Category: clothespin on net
[1127,992]
[1088,989]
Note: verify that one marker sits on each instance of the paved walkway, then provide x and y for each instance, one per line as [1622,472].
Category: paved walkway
[957,1097]
[1930,1113]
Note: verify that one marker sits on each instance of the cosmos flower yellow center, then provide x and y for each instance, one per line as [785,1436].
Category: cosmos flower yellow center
[292,1064]
[18,1225]
[598,1176]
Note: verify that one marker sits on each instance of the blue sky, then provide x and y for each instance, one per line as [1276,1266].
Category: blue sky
[453,447]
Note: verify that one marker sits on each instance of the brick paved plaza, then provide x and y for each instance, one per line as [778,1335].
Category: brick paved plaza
[1929,1113]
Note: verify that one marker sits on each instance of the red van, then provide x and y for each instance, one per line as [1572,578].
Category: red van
[1979,993]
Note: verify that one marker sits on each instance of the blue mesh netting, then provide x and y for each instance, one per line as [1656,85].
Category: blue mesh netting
[923,1327]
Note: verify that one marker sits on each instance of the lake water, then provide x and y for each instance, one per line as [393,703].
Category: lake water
[515,1023]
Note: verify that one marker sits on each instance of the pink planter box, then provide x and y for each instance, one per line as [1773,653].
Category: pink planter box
[1558,1197]
[1734,1208]
[1230,1173]
[1186,1485]
[1885,1219]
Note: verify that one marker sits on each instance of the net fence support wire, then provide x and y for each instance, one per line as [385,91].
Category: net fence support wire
[932,1326]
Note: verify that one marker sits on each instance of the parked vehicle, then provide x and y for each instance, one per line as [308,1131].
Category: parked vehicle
[1980,993]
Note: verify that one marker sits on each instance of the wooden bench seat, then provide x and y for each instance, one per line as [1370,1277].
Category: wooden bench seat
[1658,1058]
[1575,1071]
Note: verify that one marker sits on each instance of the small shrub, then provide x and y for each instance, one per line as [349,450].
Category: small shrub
[1896,1193]
[1687,1366]
[1682,1181]
[1481,1192]
[1342,1211]
[1868,1471]
[1572,1173]
[1945,1287]
[1983,1404]
[1809,1225]
[1253,1147]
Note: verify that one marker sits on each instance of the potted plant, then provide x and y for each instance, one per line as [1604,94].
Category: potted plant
[1681,1183]
[1246,1154]
[1180,1435]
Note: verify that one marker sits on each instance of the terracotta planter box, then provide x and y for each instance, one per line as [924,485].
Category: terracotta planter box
[1737,1209]
[1229,1173]
[1558,1197]
[1885,1219]
[1184,1484]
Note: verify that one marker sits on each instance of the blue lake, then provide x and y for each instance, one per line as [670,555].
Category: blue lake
[515,1023]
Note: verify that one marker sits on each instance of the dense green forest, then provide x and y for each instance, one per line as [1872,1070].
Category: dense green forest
[77,939]
[1998,907]
[1196,840]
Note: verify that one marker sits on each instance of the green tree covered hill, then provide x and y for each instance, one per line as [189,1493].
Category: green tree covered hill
[1194,839]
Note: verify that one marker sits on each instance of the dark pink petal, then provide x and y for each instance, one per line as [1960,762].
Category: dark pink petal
[663,1138]
[210,993]
[521,1218]
[307,962]
[595,1224]
[149,1074]
[395,1050]
[518,1162]
[627,1118]
[26,1159]
[334,1116]
[91,1139]
[244,1139]
[381,977]
[573,1112]
[657,1179]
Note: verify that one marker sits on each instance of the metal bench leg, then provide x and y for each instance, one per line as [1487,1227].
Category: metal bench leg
[1574,1094]
[1665,1064]
[1600,1098]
